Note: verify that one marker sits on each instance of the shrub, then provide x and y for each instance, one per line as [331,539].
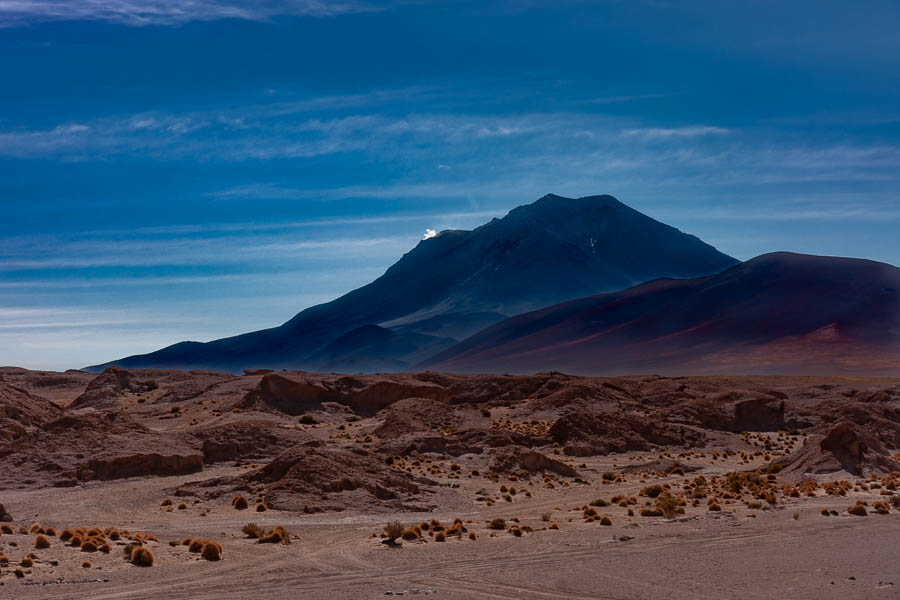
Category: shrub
[652,491]
[105,548]
[472,536]
[715,507]
[166,502]
[86,564]
[90,545]
[50,531]
[608,475]
[410,535]
[27,562]
[668,504]
[881,508]
[196,545]
[606,521]
[308,420]
[545,516]
[211,551]
[498,523]
[394,530]
[651,512]
[275,536]
[240,503]
[182,506]
[41,541]
[261,507]
[252,530]
[599,502]
[858,509]
[440,536]
[142,556]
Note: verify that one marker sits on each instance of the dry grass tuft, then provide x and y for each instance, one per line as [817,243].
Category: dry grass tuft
[858,509]
[27,562]
[240,503]
[142,556]
[211,551]
[252,530]
[440,536]
[668,504]
[86,564]
[41,541]
[393,530]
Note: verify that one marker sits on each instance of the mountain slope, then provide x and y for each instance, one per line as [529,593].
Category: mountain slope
[455,284]
[777,313]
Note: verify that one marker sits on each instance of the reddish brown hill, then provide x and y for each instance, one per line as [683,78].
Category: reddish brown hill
[779,313]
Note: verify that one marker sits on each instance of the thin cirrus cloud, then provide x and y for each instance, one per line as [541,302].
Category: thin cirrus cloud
[248,135]
[676,132]
[192,251]
[139,13]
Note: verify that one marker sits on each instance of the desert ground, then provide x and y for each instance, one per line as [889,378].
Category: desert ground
[540,486]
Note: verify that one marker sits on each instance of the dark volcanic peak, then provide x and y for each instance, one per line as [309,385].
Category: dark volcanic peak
[777,313]
[458,282]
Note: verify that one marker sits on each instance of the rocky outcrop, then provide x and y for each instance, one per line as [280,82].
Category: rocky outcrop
[531,461]
[586,433]
[82,447]
[248,440]
[21,411]
[759,414]
[315,477]
[296,394]
[844,449]
[415,416]
[105,389]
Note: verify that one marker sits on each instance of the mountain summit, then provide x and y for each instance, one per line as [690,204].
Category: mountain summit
[455,283]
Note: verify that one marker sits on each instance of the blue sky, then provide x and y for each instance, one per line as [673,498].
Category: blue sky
[188,170]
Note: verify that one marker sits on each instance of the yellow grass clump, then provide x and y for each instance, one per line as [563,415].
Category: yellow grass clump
[41,541]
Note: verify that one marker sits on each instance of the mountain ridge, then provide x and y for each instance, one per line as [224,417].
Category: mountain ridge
[780,312]
[454,284]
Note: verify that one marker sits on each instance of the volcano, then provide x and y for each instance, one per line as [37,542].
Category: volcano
[456,283]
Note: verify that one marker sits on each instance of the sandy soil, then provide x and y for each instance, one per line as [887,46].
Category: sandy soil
[748,549]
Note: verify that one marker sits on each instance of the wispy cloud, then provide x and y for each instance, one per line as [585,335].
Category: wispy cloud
[676,132]
[235,250]
[138,13]
[252,134]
